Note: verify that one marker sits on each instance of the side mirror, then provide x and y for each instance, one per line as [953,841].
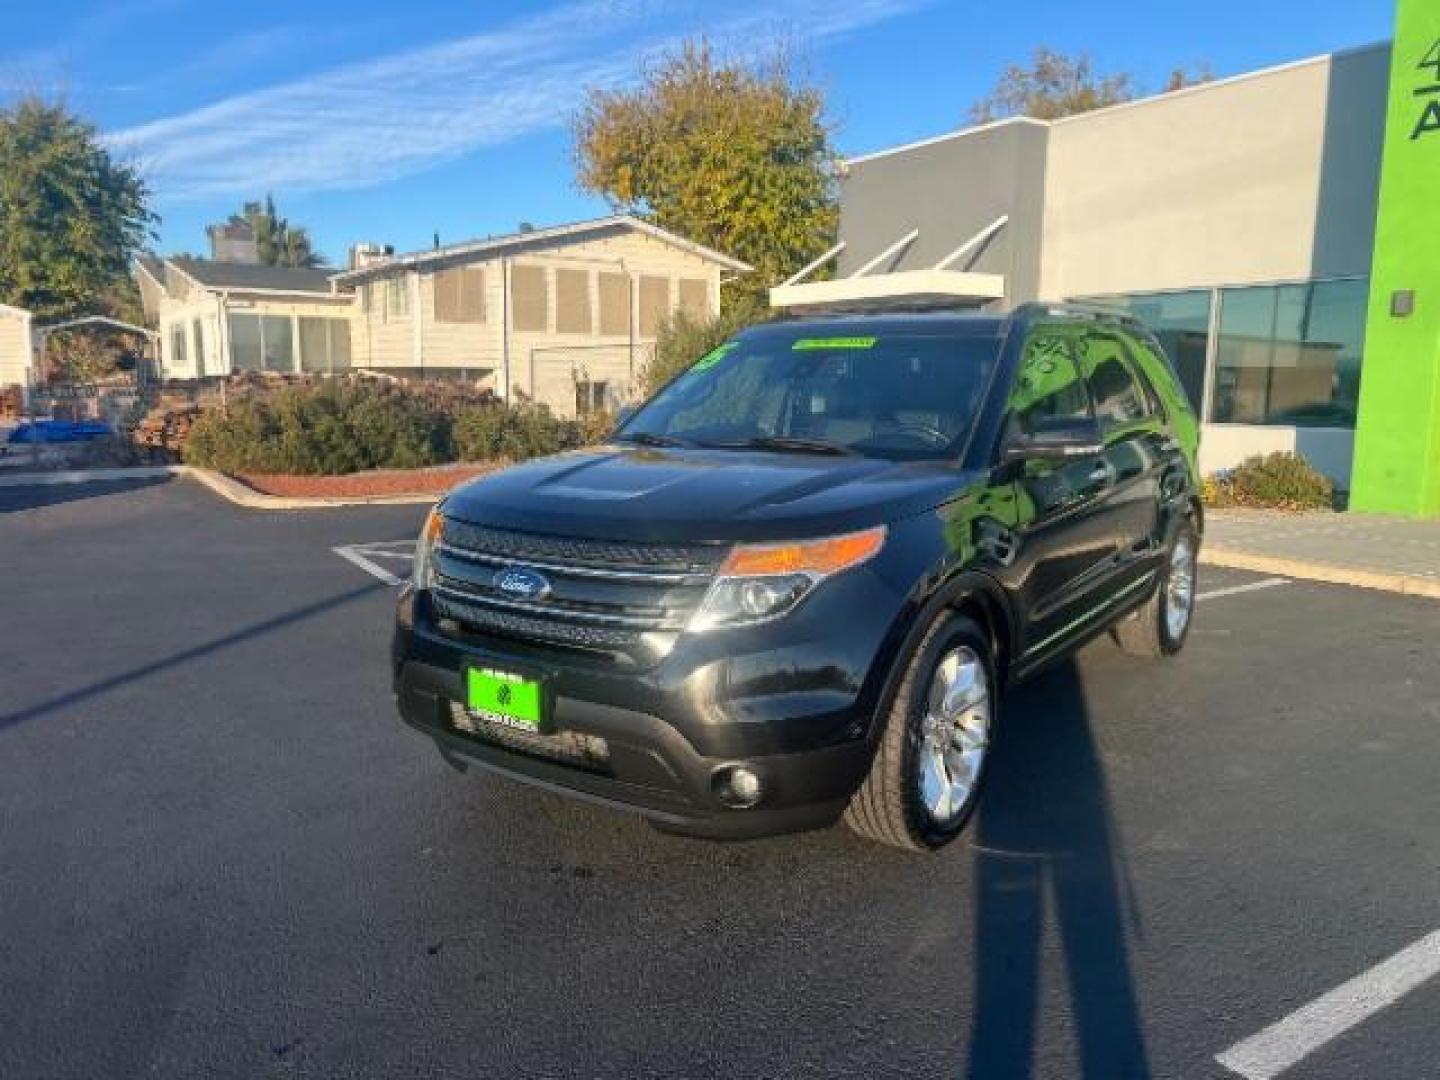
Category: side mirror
[1054,441]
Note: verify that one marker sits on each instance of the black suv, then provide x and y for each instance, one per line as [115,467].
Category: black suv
[793,585]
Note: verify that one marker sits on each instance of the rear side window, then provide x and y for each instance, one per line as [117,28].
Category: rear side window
[1118,398]
[1048,388]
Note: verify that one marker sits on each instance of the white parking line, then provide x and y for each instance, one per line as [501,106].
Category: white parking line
[1304,1031]
[350,553]
[1253,586]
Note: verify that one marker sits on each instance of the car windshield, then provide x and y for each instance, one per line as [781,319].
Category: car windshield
[901,396]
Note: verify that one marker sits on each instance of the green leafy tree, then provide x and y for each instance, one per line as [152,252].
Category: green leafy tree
[278,242]
[71,216]
[733,155]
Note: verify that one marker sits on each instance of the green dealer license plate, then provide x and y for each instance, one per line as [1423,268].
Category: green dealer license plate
[503,697]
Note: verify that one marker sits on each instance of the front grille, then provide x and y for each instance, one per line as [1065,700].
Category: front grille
[567,747]
[532,548]
[599,596]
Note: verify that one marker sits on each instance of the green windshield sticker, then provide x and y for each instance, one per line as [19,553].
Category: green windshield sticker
[714,356]
[806,344]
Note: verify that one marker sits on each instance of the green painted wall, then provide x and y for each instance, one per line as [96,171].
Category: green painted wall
[1397,441]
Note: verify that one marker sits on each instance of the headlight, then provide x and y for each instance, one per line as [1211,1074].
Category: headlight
[759,582]
[422,573]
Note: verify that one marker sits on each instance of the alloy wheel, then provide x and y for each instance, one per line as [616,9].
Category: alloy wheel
[954,735]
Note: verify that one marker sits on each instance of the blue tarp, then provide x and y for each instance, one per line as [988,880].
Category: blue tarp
[59,431]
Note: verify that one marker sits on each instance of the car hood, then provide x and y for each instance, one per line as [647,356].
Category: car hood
[697,495]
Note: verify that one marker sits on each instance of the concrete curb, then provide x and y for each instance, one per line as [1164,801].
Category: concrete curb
[221,485]
[1408,584]
[251,499]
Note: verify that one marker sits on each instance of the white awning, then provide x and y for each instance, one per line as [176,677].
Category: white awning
[905,289]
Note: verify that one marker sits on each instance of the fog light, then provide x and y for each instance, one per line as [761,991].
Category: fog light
[736,786]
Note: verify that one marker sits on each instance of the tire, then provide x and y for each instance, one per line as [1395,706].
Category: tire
[895,805]
[1159,628]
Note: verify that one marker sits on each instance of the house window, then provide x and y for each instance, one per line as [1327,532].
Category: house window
[197,330]
[460,295]
[245,351]
[277,343]
[1180,321]
[654,304]
[324,345]
[529,299]
[572,301]
[261,343]
[695,298]
[614,292]
[591,397]
[397,298]
[178,353]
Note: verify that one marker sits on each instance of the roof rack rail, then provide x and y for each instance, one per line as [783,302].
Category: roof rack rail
[1076,310]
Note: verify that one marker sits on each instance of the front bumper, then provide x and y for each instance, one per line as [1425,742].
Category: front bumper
[785,701]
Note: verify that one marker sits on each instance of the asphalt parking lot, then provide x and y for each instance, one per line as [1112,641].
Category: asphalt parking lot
[222,855]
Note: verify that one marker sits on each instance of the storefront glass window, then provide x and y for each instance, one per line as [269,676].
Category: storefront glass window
[1290,354]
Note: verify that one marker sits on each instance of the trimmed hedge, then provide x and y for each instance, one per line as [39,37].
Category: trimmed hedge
[343,426]
[1278,481]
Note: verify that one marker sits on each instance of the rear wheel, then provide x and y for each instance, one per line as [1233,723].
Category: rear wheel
[925,780]
[1160,626]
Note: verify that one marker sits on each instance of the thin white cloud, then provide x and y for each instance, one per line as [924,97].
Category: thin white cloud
[374,121]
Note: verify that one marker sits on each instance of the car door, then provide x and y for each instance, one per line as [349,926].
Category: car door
[1136,451]
[1066,542]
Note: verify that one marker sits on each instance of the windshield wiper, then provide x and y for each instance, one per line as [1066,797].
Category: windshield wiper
[646,438]
[785,444]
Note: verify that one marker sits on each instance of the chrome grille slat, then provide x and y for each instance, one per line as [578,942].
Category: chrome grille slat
[529,548]
[557,611]
[658,577]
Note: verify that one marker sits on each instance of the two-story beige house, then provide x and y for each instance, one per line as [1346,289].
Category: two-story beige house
[17,350]
[566,316]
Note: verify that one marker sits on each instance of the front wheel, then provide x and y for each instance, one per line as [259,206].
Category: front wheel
[925,780]
[1160,626]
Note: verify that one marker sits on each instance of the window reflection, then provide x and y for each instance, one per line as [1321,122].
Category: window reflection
[1290,354]
[1181,322]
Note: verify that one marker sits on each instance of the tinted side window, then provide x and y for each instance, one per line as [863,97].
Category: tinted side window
[1118,398]
[1047,387]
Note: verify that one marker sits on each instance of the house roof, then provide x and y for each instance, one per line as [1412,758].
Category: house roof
[536,238]
[246,276]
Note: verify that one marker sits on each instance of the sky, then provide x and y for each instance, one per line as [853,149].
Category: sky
[386,122]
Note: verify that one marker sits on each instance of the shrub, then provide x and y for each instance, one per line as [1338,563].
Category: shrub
[337,426]
[348,425]
[682,339]
[511,433]
[1280,481]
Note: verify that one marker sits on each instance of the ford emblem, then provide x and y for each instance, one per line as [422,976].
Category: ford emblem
[522,584]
